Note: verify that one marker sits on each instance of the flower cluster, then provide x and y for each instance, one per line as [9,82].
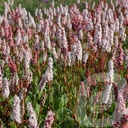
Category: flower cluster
[75,39]
[110,80]
[16,112]
[32,116]
[5,88]
[49,120]
[121,109]
[48,76]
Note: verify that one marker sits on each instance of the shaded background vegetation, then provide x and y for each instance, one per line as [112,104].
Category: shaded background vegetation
[31,5]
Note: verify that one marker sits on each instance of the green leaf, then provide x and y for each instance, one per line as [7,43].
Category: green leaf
[37,109]
[12,125]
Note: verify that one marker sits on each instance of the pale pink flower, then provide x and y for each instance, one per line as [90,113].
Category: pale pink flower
[16,109]
[49,120]
[32,116]
[5,88]
[110,80]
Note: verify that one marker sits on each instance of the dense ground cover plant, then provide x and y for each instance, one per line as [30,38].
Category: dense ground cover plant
[49,63]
